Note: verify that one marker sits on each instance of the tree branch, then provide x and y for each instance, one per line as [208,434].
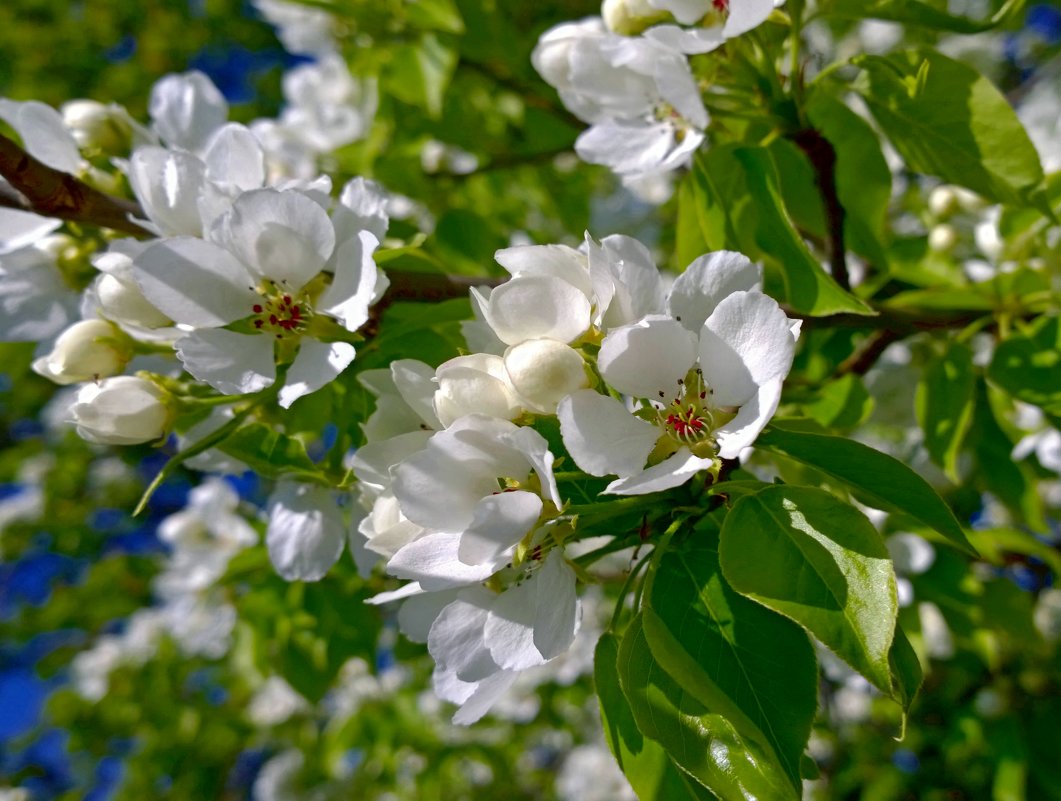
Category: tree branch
[822,157]
[46,191]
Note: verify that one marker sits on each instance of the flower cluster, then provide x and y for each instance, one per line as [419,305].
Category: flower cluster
[627,74]
[648,385]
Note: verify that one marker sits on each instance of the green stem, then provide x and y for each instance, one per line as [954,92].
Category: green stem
[207,442]
[620,602]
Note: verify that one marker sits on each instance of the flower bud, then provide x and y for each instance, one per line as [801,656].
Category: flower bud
[87,350]
[123,301]
[543,371]
[552,55]
[125,410]
[474,384]
[943,202]
[942,238]
[630,17]
[95,126]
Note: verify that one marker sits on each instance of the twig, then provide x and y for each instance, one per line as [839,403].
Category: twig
[866,355]
[49,192]
[822,157]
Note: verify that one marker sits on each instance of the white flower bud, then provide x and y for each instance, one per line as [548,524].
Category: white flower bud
[543,371]
[943,201]
[969,200]
[123,302]
[474,384]
[87,350]
[124,410]
[95,126]
[942,238]
[552,54]
[630,17]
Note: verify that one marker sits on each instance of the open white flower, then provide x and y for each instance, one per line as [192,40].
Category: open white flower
[478,488]
[481,640]
[638,95]
[262,265]
[705,380]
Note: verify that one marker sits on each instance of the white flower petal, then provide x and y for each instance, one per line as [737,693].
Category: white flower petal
[455,641]
[687,12]
[354,283]
[234,157]
[20,228]
[500,522]
[535,448]
[362,207]
[487,692]
[373,461]
[636,284]
[751,419]
[420,611]
[476,383]
[169,184]
[533,622]
[187,109]
[648,357]
[706,282]
[559,261]
[432,560]
[672,472]
[316,364]
[602,436]
[284,236]
[691,41]
[745,15]
[44,134]
[415,382]
[746,342]
[233,364]
[537,307]
[194,282]
[306,530]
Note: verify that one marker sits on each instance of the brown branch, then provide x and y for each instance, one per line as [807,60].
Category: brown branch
[866,355]
[822,156]
[49,192]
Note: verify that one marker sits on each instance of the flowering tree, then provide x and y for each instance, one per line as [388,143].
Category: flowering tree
[735,454]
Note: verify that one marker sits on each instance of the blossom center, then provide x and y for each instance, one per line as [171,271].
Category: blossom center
[687,418]
[279,312]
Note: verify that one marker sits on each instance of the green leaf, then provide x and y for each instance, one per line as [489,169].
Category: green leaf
[916,12]
[946,119]
[843,403]
[436,15]
[267,451]
[1028,366]
[944,404]
[809,288]
[818,561]
[863,178]
[419,73]
[881,480]
[1013,483]
[738,659]
[644,762]
[704,744]
[906,670]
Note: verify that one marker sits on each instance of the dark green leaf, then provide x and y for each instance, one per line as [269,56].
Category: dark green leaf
[704,744]
[738,659]
[944,403]
[906,669]
[644,762]
[946,119]
[1028,366]
[841,404]
[881,480]
[802,552]
[267,451]
[739,207]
